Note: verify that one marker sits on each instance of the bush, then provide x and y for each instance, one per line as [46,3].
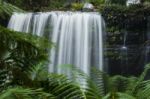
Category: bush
[77,6]
[120,2]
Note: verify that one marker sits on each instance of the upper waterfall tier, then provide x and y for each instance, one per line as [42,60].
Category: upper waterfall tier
[77,35]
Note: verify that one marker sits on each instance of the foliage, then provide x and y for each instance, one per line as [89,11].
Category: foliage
[18,53]
[25,93]
[6,8]
[57,4]
[121,18]
[119,2]
[29,4]
[34,81]
[57,86]
[96,3]
[38,5]
[76,6]
[125,26]
[23,72]
[121,15]
[118,95]
[130,88]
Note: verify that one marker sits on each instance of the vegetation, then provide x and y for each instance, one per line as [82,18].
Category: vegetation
[6,10]
[42,85]
[77,6]
[119,2]
[38,5]
[23,57]
[96,3]
[126,26]
[19,51]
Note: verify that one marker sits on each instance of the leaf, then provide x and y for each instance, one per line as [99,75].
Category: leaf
[25,93]
[118,95]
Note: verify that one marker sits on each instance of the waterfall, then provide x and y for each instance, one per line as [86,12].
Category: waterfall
[77,37]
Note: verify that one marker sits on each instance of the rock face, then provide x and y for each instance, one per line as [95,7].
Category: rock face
[88,7]
[129,2]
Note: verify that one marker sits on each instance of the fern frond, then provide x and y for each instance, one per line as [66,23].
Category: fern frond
[141,79]
[89,87]
[118,95]
[38,72]
[25,93]
[120,83]
[62,87]
[99,79]
[143,90]
[19,52]
[8,8]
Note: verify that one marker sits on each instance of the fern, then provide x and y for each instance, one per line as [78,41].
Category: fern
[143,90]
[19,52]
[61,86]
[58,85]
[8,8]
[121,84]
[88,86]
[5,79]
[25,93]
[20,49]
[38,72]
[118,95]
[99,77]
[141,79]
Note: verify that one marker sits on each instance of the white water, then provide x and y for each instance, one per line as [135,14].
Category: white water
[77,35]
[129,2]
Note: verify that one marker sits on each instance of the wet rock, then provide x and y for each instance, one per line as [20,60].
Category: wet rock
[130,2]
[88,7]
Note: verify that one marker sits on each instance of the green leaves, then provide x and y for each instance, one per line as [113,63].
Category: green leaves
[120,2]
[118,95]
[38,72]
[20,52]
[7,9]
[58,86]
[63,88]
[25,93]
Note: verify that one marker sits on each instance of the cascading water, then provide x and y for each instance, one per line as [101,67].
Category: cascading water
[147,46]
[77,35]
[124,54]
